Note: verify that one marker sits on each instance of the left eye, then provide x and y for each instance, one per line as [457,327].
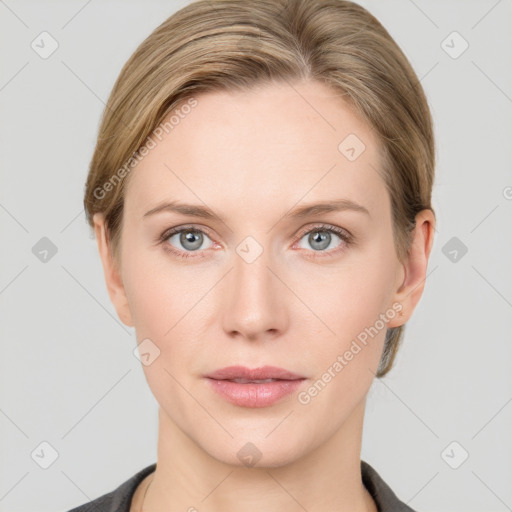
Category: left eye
[320,238]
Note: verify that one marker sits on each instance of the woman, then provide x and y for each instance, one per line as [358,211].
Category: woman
[260,193]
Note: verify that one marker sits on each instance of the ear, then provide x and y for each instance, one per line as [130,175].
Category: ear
[412,278]
[112,274]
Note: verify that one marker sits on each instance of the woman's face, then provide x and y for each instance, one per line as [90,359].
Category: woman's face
[256,284]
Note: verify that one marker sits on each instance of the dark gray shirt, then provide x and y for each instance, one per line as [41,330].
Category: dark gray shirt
[120,499]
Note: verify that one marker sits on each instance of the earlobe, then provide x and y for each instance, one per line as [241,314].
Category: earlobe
[408,293]
[112,274]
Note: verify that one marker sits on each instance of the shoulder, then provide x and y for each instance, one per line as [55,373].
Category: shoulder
[119,499]
[384,497]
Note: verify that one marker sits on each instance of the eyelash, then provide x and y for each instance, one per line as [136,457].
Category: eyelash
[346,237]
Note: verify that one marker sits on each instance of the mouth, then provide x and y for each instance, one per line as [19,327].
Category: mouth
[259,387]
[247,381]
[265,373]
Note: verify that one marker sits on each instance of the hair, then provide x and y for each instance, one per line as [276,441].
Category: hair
[212,45]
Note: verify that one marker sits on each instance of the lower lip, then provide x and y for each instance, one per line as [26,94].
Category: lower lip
[254,395]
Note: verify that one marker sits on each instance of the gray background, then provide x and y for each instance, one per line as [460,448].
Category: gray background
[68,373]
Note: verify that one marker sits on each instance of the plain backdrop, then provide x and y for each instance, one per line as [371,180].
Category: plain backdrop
[437,428]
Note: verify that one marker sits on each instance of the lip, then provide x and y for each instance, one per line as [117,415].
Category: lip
[261,394]
[264,372]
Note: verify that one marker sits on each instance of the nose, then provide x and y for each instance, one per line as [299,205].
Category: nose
[255,306]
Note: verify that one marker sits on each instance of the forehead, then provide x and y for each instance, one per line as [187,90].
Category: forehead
[258,148]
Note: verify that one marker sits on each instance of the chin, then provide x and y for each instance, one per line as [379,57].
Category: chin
[252,451]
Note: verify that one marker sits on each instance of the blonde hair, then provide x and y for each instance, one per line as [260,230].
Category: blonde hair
[236,45]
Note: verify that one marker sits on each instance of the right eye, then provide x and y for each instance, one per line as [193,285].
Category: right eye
[187,239]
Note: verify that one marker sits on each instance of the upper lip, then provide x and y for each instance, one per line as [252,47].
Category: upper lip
[264,372]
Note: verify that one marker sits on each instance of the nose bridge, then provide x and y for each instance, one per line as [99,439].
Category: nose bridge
[254,305]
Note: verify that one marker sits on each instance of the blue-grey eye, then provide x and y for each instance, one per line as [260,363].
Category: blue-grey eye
[190,239]
[320,239]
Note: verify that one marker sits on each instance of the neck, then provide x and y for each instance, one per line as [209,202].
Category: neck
[326,477]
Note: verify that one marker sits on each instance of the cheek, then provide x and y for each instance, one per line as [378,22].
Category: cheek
[162,303]
[165,300]
[344,364]
[349,297]
[351,300]
[159,292]
[150,298]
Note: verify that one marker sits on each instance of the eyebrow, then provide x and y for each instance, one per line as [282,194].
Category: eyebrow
[300,212]
[326,207]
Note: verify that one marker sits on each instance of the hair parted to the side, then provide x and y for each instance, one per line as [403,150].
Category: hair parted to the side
[234,45]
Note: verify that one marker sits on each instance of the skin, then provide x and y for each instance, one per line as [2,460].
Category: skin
[251,157]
